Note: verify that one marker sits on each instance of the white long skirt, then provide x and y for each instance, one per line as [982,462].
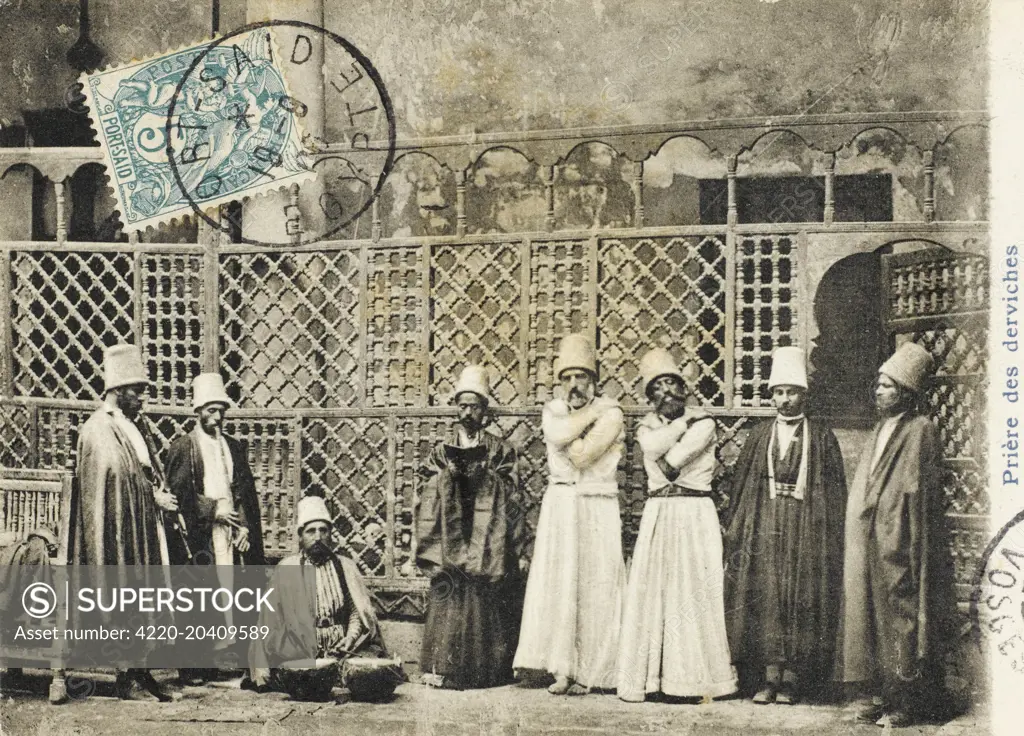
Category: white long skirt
[673,637]
[573,606]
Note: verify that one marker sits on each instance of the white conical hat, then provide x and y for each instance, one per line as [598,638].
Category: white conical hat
[208,388]
[123,366]
[311,508]
[656,363]
[908,366]
[789,368]
[473,379]
[575,351]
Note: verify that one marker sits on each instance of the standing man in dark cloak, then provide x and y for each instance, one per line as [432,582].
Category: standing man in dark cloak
[116,512]
[470,532]
[209,475]
[784,545]
[898,617]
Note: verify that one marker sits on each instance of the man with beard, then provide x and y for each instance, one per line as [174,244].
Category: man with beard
[116,512]
[898,602]
[470,534]
[673,637]
[784,545]
[573,603]
[209,475]
[320,615]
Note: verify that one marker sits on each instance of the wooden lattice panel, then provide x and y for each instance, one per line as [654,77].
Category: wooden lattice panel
[67,308]
[958,349]
[766,312]
[57,436]
[16,438]
[936,283]
[345,460]
[290,328]
[396,363]
[967,542]
[165,428]
[560,283]
[172,323]
[415,438]
[523,433]
[966,491]
[475,295]
[957,408]
[272,447]
[667,292]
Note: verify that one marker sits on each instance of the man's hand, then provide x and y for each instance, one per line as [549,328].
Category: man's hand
[524,564]
[242,540]
[669,472]
[225,515]
[165,500]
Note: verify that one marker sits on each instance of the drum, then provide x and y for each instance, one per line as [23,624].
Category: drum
[372,678]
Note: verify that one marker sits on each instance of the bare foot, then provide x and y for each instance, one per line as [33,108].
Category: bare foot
[578,689]
[560,686]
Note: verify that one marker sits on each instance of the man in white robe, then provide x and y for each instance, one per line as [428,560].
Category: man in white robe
[573,604]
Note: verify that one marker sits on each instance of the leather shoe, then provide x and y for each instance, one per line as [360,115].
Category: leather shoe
[766,695]
[871,714]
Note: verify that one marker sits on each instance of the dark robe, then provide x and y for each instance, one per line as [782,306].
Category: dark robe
[184,470]
[784,559]
[114,518]
[470,537]
[899,604]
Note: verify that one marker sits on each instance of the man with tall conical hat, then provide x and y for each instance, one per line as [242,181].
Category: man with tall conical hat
[673,638]
[573,604]
[209,474]
[115,515]
[219,513]
[784,545]
[898,598]
[470,542]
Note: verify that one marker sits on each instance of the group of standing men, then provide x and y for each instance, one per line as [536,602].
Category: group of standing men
[812,584]
[798,587]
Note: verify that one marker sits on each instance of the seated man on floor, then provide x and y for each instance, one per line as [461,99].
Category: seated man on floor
[323,629]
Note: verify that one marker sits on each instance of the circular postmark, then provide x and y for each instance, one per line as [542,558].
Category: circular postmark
[230,119]
[997,594]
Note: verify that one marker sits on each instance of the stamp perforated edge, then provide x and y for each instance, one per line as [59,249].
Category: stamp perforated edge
[187,211]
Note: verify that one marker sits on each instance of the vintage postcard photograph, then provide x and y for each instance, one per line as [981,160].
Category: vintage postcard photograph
[511,367]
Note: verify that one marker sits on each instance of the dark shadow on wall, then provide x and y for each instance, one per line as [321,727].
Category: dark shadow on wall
[851,339]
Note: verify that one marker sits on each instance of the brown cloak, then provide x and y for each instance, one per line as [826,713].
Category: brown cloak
[753,584]
[899,602]
[114,518]
[184,470]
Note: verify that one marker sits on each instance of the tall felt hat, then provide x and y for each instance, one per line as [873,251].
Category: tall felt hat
[789,368]
[656,363]
[311,508]
[208,388]
[908,366]
[575,351]
[474,380]
[123,366]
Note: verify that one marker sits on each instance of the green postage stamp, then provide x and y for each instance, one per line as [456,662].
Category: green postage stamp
[196,128]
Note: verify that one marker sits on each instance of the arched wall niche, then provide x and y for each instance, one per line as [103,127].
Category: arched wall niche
[881,152]
[505,193]
[418,198]
[671,181]
[593,189]
[961,175]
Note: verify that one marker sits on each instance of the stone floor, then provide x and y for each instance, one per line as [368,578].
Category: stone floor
[223,709]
